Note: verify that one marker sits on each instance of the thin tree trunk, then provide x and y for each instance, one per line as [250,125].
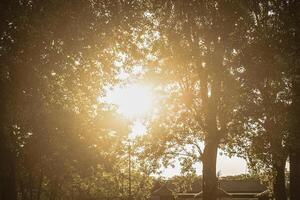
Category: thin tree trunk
[295,135]
[295,175]
[295,145]
[39,192]
[30,186]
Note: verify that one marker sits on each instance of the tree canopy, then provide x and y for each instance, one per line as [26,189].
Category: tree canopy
[223,75]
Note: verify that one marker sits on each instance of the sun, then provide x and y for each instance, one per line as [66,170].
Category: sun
[132,101]
[135,102]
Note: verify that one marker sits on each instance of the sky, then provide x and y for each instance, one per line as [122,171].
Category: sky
[227,166]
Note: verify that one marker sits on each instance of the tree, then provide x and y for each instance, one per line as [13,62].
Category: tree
[56,57]
[292,52]
[267,95]
[194,52]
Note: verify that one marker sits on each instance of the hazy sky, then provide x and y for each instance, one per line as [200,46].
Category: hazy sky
[227,166]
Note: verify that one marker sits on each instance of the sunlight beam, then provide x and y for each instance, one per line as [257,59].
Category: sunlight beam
[132,101]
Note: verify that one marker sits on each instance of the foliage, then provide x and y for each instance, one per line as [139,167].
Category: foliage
[225,74]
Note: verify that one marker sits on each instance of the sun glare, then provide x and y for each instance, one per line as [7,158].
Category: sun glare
[132,101]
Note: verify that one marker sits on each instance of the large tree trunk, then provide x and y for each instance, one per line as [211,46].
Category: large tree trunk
[211,104]
[275,137]
[209,171]
[279,156]
[279,181]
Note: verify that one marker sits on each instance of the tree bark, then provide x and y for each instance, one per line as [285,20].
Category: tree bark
[40,186]
[294,175]
[279,181]
[295,134]
[212,137]
[275,137]
[279,157]
[7,172]
[295,141]
[209,171]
